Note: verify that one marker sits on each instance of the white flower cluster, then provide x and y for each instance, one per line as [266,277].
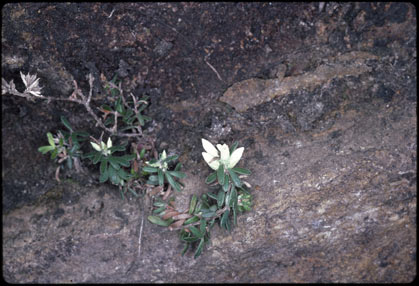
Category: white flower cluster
[215,157]
[103,148]
[32,84]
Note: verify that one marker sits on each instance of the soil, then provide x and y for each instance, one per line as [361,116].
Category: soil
[185,56]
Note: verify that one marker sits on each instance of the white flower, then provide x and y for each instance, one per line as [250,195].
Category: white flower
[215,157]
[103,148]
[32,84]
[159,164]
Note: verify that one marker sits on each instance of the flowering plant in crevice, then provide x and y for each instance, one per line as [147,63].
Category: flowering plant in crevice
[142,169]
[231,196]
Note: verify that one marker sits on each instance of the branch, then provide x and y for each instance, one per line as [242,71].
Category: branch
[77,96]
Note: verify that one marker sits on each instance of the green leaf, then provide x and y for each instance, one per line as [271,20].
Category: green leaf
[149,169]
[220,198]
[185,249]
[159,210]
[226,185]
[235,178]
[196,232]
[172,182]
[234,214]
[224,222]
[234,147]
[54,154]
[159,221]
[50,139]
[191,220]
[241,171]
[104,176]
[146,118]
[192,204]
[113,176]
[199,248]
[140,119]
[177,174]
[128,157]
[97,157]
[118,105]
[133,192]
[159,204]
[152,180]
[66,123]
[123,175]
[198,207]
[45,149]
[114,162]
[190,238]
[160,176]
[142,153]
[202,226]
[117,148]
[233,197]
[170,158]
[211,178]
[106,107]
[220,174]
[207,213]
[212,196]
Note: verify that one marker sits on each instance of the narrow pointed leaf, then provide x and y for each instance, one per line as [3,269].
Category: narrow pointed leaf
[50,139]
[233,147]
[199,248]
[66,123]
[191,220]
[45,149]
[185,249]
[220,198]
[160,177]
[159,221]
[234,178]
[172,182]
[220,174]
[193,204]
[177,174]
[196,232]
[241,171]
[211,178]
[149,169]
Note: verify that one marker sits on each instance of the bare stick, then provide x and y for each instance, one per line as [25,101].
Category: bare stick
[214,70]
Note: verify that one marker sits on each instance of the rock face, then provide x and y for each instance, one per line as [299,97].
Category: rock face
[252,92]
[331,144]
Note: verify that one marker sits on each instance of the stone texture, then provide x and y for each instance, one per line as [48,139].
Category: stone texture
[254,91]
[334,157]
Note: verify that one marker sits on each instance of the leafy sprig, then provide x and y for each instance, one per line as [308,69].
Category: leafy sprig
[65,146]
[232,196]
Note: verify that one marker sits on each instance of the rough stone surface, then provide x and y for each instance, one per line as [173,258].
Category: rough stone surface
[252,92]
[333,155]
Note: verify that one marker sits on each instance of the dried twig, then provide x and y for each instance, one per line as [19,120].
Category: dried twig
[77,96]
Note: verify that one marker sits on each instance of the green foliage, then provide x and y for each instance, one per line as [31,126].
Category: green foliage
[65,146]
[222,206]
[136,170]
[160,173]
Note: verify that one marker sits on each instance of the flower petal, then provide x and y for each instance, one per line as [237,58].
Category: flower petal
[109,143]
[96,146]
[23,79]
[225,152]
[211,160]
[235,157]
[209,148]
